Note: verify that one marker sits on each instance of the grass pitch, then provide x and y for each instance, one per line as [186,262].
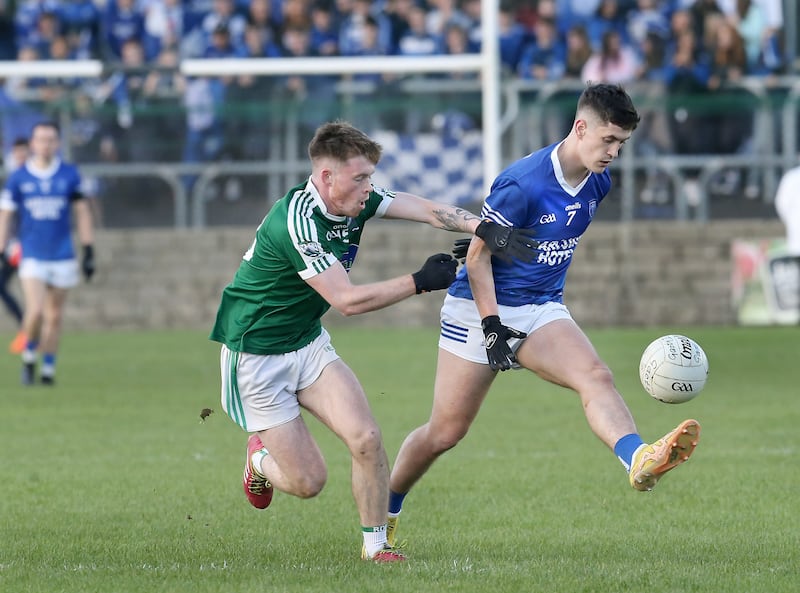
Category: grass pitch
[111,482]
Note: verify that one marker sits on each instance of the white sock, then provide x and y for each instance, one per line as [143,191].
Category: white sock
[374,539]
[256,459]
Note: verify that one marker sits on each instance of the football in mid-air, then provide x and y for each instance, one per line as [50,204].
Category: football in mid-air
[673,369]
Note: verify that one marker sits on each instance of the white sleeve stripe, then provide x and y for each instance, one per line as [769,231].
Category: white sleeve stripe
[493,215]
[301,227]
[6,201]
[303,230]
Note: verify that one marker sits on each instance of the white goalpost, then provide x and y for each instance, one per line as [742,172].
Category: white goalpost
[486,63]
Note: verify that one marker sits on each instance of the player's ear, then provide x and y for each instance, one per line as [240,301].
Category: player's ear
[580,127]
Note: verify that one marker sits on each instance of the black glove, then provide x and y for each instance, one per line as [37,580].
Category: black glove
[460,248]
[496,336]
[87,263]
[507,242]
[436,273]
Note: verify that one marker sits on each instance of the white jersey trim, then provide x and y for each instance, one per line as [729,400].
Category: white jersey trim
[7,201]
[572,191]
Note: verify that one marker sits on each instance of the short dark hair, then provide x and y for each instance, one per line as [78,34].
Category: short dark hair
[20,141]
[342,141]
[611,103]
[46,124]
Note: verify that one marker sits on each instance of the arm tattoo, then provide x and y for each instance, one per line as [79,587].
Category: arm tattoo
[454,219]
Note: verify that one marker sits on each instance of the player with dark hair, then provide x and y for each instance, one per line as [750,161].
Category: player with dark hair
[43,194]
[499,315]
[276,357]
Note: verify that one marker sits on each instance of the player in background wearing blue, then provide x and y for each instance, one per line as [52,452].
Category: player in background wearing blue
[12,250]
[499,315]
[43,194]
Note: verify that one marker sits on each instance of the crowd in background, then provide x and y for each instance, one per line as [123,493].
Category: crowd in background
[682,46]
[538,38]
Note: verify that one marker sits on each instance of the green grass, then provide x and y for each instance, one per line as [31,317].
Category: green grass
[111,483]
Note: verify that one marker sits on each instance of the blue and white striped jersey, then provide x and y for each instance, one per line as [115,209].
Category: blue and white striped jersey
[533,194]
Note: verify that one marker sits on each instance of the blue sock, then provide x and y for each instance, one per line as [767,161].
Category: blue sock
[31,345]
[626,447]
[396,501]
[49,358]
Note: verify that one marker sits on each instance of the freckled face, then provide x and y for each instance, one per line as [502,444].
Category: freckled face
[348,184]
[600,143]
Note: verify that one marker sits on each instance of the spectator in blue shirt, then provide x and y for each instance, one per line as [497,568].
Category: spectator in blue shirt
[222,45]
[609,17]
[223,14]
[397,11]
[417,41]
[27,16]
[351,32]
[163,25]
[324,33]
[649,16]
[81,23]
[122,22]
[544,59]
[48,28]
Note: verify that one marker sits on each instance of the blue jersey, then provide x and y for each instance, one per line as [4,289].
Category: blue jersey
[533,194]
[42,200]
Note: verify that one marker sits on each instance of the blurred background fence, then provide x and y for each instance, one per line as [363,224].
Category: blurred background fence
[696,156]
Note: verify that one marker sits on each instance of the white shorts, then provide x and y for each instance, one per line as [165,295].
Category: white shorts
[461,331]
[260,391]
[61,274]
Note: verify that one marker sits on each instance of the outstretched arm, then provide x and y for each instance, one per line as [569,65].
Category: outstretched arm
[407,206]
[334,285]
[503,242]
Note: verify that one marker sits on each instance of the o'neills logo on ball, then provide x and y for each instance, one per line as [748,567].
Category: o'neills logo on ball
[686,348]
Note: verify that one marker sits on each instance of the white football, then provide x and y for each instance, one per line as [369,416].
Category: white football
[673,369]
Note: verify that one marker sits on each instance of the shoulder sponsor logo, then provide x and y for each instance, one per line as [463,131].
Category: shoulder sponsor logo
[311,249]
[547,218]
[383,192]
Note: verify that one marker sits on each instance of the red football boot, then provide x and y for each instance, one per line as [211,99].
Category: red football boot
[256,487]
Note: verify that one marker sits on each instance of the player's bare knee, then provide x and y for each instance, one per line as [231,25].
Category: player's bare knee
[367,444]
[310,484]
[445,438]
[601,375]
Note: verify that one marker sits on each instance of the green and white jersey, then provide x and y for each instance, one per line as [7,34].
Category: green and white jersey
[269,308]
